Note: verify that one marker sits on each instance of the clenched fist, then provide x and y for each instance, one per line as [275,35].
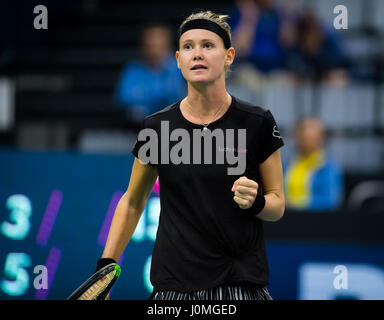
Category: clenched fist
[245,192]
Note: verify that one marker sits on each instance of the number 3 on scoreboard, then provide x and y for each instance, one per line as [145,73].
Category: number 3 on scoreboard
[20,211]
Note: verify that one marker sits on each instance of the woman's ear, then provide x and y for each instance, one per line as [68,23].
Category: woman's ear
[177,59]
[230,57]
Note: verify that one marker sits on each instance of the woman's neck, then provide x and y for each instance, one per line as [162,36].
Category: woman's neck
[206,100]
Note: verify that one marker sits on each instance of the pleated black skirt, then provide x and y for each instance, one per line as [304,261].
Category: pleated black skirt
[223,292]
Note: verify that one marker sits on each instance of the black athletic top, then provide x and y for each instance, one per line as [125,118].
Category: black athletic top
[204,239]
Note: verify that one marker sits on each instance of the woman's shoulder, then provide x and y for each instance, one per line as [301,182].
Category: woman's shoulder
[162,113]
[250,108]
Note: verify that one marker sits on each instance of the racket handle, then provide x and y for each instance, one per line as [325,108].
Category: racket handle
[101,263]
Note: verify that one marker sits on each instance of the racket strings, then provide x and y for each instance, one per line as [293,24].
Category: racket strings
[95,290]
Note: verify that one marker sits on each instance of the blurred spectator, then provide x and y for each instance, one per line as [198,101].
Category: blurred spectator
[154,81]
[313,181]
[286,38]
[256,26]
[289,11]
[315,51]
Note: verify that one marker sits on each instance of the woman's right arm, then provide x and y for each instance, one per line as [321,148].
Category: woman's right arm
[129,209]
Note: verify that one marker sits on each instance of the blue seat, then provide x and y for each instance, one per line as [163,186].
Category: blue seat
[351,107]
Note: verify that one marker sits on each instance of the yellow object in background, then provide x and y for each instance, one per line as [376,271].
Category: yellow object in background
[298,178]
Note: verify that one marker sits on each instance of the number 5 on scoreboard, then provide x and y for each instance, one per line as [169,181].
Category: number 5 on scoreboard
[14,270]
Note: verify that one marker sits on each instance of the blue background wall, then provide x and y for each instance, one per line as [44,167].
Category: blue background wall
[73,196]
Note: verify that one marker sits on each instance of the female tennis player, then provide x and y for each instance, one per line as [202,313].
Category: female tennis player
[210,242]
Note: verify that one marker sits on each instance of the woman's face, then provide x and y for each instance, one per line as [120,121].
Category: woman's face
[202,56]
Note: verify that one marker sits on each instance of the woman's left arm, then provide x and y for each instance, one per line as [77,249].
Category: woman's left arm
[246,190]
[271,174]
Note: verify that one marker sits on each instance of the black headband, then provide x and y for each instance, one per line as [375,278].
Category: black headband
[207,25]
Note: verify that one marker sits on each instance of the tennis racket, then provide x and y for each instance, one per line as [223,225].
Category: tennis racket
[98,285]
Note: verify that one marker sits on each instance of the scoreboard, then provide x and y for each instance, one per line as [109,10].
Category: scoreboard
[55,213]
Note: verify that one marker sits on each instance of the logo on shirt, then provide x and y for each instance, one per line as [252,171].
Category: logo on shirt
[227,149]
[276,132]
[159,150]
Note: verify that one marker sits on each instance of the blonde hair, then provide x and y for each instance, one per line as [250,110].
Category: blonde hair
[221,20]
